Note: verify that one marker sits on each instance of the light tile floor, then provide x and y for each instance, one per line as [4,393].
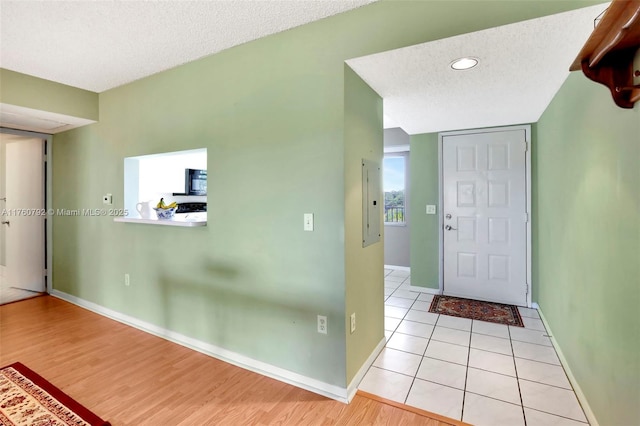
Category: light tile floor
[475,371]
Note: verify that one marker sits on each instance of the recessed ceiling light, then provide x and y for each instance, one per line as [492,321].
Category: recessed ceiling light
[464,63]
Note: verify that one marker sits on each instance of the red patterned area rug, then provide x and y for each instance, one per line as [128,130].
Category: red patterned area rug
[28,399]
[477,310]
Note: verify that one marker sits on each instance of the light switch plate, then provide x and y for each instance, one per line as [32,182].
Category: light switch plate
[308,221]
[431,209]
[107,199]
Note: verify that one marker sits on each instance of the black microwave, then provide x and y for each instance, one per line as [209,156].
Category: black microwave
[195,182]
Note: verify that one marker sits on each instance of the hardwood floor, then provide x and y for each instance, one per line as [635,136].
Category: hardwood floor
[129,377]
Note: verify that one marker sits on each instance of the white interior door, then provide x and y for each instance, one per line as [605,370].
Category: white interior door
[25,233]
[485,220]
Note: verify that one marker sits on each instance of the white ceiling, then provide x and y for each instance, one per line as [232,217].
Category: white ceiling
[99,45]
[521,68]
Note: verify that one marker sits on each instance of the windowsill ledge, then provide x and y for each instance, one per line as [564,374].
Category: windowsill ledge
[401,224]
[176,221]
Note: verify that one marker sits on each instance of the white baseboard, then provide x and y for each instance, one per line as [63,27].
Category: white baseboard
[588,412]
[313,385]
[353,386]
[398,268]
[425,290]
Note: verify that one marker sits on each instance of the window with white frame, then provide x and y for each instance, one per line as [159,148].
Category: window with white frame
[394,187]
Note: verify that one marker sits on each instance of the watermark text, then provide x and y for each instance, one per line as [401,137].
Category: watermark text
[65,212]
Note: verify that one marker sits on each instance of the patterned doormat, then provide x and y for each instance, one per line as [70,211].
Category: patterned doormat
[28,399]
[477,310]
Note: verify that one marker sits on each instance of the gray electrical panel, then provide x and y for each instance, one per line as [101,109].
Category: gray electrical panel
[371,199]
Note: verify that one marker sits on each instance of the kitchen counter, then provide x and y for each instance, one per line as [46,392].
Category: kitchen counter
[180,219]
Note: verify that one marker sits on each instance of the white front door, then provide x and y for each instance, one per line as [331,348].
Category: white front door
[485,216]
[25,230]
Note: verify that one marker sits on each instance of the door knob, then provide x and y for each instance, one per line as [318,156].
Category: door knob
[5,222]
[449,228]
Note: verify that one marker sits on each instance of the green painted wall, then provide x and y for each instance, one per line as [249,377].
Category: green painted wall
[36,93]
[271,114]
[364,276]
[587,236]
[535,254]
[252,281]
[424,227]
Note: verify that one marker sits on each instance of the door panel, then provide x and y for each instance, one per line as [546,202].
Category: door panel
[485,238]
[25,203]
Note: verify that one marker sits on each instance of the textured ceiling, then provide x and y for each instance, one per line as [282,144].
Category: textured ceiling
[98,45]
[521,68]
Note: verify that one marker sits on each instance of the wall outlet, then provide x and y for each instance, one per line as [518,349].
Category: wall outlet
[127,282]
[431,209]
[107,199]
[322,324]
[353,322]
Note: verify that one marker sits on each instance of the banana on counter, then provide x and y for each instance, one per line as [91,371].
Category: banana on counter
[162,205]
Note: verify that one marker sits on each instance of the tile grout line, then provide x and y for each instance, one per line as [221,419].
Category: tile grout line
[495,399]
[471,347]
[511,345]
[466,372]
[391,371]
[584,414]
[395,331]
[463,365]
[384,304]
[406,398]
[392,333]
[546,384]
[477,349]
[471,331]
[559,415]
[515,367]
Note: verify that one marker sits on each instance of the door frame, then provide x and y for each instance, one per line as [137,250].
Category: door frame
[48,191]
[527,130]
